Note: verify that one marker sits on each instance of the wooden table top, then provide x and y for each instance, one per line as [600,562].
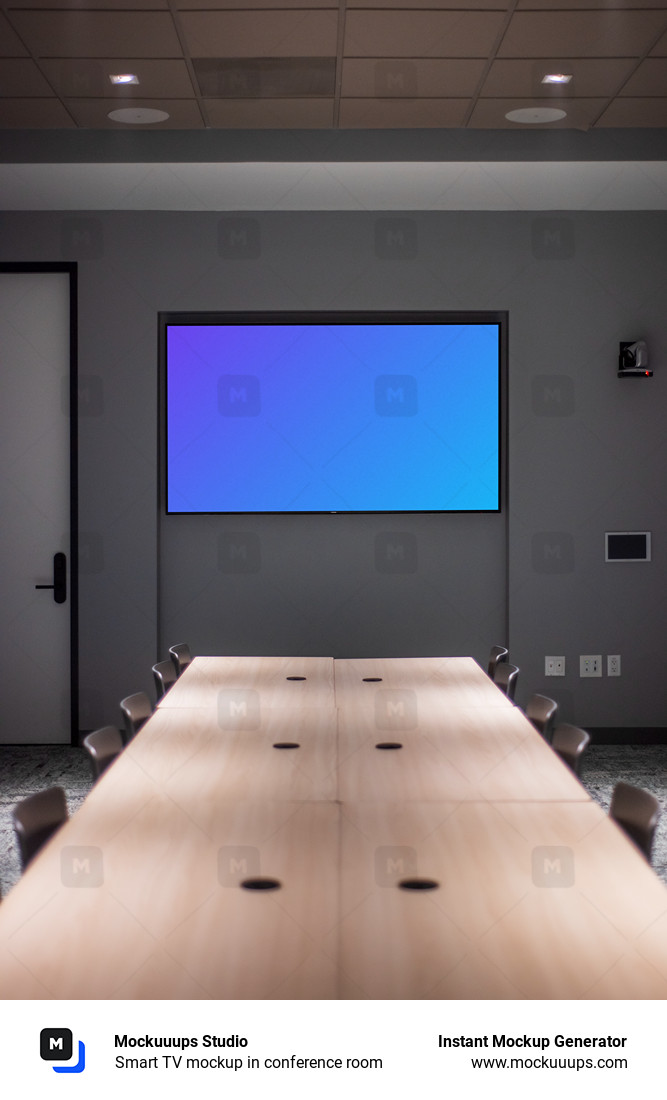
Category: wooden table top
[170,919]
[458,678]
[290,753]
[533,900]
[494,755]
[139,895]
[497,926]
[455,736]
[259,681]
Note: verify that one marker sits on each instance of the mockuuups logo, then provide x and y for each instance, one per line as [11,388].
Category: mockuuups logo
[56,1045]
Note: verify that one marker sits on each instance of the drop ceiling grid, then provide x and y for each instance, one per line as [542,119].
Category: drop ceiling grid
[429,63]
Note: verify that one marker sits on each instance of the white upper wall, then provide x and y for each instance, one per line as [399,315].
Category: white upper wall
[358,185]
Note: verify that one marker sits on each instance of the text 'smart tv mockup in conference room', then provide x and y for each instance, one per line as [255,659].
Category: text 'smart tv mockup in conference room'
[295,413]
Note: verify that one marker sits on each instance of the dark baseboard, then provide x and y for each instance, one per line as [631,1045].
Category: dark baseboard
[628,735]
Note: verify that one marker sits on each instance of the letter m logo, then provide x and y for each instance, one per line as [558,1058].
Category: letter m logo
[239,395]
[394,862]
[553,866]
[238,709]
[395,709]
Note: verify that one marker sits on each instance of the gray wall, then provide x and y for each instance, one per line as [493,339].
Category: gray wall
[586,450]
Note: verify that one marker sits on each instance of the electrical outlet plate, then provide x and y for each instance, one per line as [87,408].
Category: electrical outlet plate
[614,664]
[590,665]
[554,666]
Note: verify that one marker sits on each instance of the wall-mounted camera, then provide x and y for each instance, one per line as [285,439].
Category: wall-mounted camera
[633,360]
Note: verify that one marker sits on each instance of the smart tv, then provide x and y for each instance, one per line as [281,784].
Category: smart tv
[345,412]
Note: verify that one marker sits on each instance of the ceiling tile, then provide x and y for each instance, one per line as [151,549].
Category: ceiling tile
[523,77]
[270,114]
[535,5]
[275,34]
[19,76]
[89,5]
[81,77]
[28,114]
[247,5]
[402,113]
[650,78]
[184,114]
[10,43]
[418,77]
[581,33]
[266,77]
[420,33]
[489,114]
[660,49]
[629,111]
[441,5]
[98,33]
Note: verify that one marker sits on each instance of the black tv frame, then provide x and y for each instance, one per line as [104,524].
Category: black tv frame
[333,317]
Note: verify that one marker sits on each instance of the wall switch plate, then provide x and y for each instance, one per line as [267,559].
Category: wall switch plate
[590,665]
[554,666]
[614,664]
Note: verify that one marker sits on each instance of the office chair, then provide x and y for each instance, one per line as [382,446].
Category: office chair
[505,677]
[541,710]
[181,656]
[637,812]
[497,654]
[136,710]
[164,674]
[103,746]
[570,742]
[36,819]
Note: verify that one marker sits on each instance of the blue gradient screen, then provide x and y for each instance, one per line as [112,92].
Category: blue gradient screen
[319,417]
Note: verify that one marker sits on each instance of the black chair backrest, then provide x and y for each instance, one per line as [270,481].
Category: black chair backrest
[497,654]
[36,819]
[506,676]
[570,743]
[164,674]
[541,710]
[103,746]
[181,656]
[136,709]
[637,812]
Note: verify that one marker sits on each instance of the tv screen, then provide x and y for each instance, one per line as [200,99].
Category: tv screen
[345,412]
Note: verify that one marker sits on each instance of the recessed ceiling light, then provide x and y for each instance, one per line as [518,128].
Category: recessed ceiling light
[138,116]
[123,78]
[535,115]
[557,78]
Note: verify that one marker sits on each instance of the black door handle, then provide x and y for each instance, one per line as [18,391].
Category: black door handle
[59,585]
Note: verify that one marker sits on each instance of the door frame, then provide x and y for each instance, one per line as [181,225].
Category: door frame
[70,269]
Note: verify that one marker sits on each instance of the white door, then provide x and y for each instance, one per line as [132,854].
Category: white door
[35,657]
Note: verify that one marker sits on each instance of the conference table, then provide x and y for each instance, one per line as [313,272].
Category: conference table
[310,828]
